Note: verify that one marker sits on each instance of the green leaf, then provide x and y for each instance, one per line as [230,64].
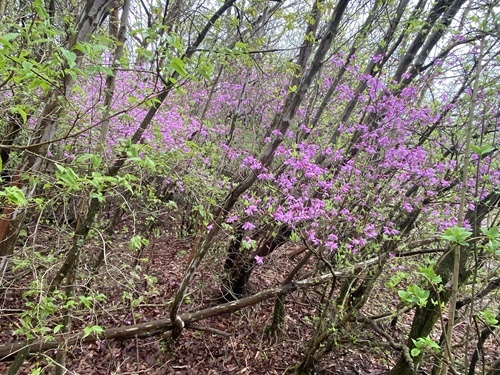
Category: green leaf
[27,66]
[241,45]
[430,275]
[133,151]
[99,196]
[10,36]
[83,47]
[481,150]
[150,164]
[7,38]
[205,69]
[57,328]
[70,57]
[67,176]
[489,318]
[491,233]
[106,70]
[40,9]
[135,243]
[294,237]
[14,195]
[414,295]
[403,294]
[174,41]
[96,159]
[178,65]
[90,70]
[87,331]
[145,52]
[86,301]
[415,352]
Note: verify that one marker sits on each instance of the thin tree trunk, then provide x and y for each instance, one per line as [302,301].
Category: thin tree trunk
[435,13]
[279,301]
[369,69]
[111,79]
[448,356]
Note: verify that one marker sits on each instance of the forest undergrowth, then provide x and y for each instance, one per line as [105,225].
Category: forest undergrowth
[139,292]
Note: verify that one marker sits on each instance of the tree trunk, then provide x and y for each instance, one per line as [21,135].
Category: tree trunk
[121,33]
[240,265]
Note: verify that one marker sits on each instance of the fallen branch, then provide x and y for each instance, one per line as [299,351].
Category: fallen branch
[160,326]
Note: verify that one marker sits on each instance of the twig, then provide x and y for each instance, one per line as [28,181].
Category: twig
[208,329]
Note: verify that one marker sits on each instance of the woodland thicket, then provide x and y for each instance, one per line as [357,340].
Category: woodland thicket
[361,136]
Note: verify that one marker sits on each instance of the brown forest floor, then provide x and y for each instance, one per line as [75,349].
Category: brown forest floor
[247,349]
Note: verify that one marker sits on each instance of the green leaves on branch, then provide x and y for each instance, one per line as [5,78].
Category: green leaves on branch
[21,110]
[489,318]
[492,234]
[96,182]
[39,8]
[93,330]
[294,237]
[179,66]
[70,57]
[95,159]
[137,242]
[134,151]
[204,68]
[482,150]
[67,176]
[7,38]
[493,244]
[430,275]
[457,235]
[414,295]
[14,195]
[424,344]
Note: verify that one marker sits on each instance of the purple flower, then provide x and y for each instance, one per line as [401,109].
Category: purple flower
[250,209]
[259,260]
[331,245]
[407,206]
[370,231]
[232,219]
[378,57]
[248,226]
